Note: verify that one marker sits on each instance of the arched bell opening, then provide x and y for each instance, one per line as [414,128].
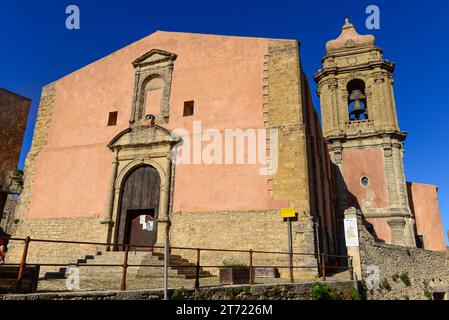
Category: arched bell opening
[357,105]
[138,208]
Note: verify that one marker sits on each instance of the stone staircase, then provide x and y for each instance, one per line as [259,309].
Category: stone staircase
[93,267]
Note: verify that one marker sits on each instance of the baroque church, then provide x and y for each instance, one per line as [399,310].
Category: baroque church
[101,166]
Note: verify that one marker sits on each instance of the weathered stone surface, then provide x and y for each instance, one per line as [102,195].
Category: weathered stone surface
[299,291]
[427,271]
[13,116]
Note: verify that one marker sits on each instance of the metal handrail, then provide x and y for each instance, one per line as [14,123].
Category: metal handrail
[198,266]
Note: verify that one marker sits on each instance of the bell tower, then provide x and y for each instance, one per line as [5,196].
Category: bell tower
[360,125]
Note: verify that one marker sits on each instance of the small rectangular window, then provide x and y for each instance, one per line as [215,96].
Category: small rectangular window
[112,121]
[189,107]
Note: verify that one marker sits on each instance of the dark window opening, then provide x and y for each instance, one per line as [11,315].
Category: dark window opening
[189,107]
[112,121]
[439,295]
[420,242]
[365,181]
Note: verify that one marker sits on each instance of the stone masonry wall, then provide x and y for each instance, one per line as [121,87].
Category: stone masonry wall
[256,230]
[7,221]
[13,118]
[427,271]
[284,111]
[39,142]
[298,291]
[85,229]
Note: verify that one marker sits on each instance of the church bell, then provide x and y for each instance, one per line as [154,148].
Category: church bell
[358,108]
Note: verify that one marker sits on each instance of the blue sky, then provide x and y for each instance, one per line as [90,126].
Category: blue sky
[37,49]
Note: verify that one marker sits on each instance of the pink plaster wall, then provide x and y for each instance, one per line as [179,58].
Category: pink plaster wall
[369,163]
[381,228]
[424,204]
[223,75]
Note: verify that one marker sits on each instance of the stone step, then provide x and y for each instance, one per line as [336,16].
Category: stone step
[179,267]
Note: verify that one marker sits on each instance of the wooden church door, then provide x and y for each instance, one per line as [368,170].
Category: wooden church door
[139,207]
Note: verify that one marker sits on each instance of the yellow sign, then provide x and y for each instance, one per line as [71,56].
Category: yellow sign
[288,213]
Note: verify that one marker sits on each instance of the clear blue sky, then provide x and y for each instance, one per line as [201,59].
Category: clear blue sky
[37,49]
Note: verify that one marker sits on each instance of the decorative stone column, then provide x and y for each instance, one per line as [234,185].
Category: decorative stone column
[409,233]
[112,194]
[397,228]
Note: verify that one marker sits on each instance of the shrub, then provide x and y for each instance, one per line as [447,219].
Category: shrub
[324,292]
[351,294]
[405,279]
[385,284]
[232,292]
[17,177]
[231,263]
[428,294]
[175,294]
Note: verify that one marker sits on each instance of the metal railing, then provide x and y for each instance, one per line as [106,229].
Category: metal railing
[325,262]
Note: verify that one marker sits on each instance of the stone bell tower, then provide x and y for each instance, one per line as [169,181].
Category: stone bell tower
[361,128]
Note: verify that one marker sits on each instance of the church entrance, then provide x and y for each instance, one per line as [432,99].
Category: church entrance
[139,204]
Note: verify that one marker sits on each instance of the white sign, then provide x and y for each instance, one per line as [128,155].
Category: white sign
[147,226]
[351,232]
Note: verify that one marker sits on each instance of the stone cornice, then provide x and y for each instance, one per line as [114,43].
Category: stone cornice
[399,135]
[384,64]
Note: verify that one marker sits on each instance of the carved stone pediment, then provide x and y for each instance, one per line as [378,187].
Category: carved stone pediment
[155,65]
[143,136]
[154,56]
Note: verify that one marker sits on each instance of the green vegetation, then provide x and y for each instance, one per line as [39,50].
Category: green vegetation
[17,177]
[322,291]
[235,264]
[385,284]
[232,292]
[428,294]
[177,294]
[405,279]
[352,294]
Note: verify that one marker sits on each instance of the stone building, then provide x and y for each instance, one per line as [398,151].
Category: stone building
[13,117]
[101,163]
[366,146]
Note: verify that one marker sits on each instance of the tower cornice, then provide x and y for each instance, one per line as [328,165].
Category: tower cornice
[328,71]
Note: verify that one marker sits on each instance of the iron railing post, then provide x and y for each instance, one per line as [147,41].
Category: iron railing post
[23,262]
[292,280]
[197,273]
[323,266]
[251,269]
[125,269]
[351,268]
